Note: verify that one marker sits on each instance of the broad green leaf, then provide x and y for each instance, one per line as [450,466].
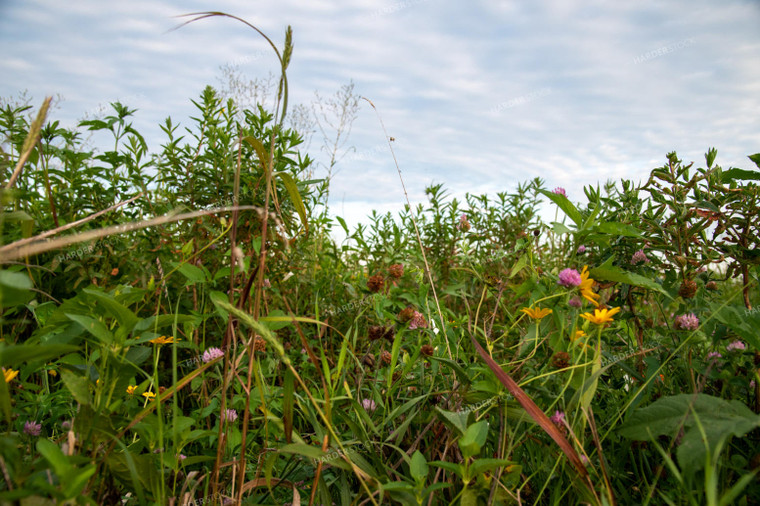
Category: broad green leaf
[456,418]
[54,456]
[567,207]
[15,289]
[193,273]
[78,386]
[121,313]
[479,466]
[733,174]
[93,326]
[419,467]
[664,417]
[609,272]
[16,354]
[617,228]
[474,438]
[308,451]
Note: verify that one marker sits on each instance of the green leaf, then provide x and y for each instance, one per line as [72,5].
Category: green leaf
[78,386]
[720,419]
[474,438]
[755,158]
[121,313]
[418,467]
[308,451]
[567,207]
[456,418]
[608,272]
[193,273]
[295,197]
[617,228]
[343,224]
[93,326]
[15,355]
[733,174]
[54,456]
[15,289]
[480,466]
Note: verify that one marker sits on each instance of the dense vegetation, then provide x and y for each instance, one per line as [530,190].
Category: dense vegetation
[181,327]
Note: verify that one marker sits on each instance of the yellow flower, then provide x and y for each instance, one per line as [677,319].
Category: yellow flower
[536,313]
[131,389]
[9,374]
[586,287]
[163,340]
[53,372]
[149,395]
[578,335]
[602,316]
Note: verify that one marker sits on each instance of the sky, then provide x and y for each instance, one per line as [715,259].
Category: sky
[479,95]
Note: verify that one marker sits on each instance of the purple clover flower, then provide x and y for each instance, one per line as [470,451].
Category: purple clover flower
[736,345]
[212,354]
[558,418]
[32,428]
[560,191]
[581,249]
[569,278]
[687,322]
[229,415]
[639,257]
[369,404]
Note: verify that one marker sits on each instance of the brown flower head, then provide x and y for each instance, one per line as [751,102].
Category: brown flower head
[711,285]
[375,283]
[406,314]
[259,344]
[386,357]
[427,350]
[396,270]
[688,289]
[561,359]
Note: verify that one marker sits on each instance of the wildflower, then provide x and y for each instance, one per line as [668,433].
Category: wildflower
[369,404]
[406,314]
[375,283]
[53,373]
[149,395]
[736,345]
[584,460]
[396,270]
[752,384]
[212,354]
[131,389]
[427,350]
[558,418]
[639,257]
[418,321]
[164,340]
[578,335]
[575,302]
[181,457]
[114,271]
[267,283]
[386,357]
[560,191]
[688,289]
[229,415]
[9,374]
[569,277]
[586,287]
[537,313]
[32,428]
[561,360]
[687,322]
[601,316]
[66,425]
[464,225]
[714,354]
[581,249]
[259,344]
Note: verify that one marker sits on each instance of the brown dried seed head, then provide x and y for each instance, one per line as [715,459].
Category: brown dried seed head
[427,350]
[711,285]
[259,344]
[375,283]
[688,289]
[396,270]
[561,359]
[376,332]
[406,314]
[386,357]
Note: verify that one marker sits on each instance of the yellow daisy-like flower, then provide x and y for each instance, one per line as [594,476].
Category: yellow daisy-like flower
[586,286]
[601,316]
[53,372]
[163,340]
[131,389]
[149,395]
[536,313]
[578,335]
[9,374]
